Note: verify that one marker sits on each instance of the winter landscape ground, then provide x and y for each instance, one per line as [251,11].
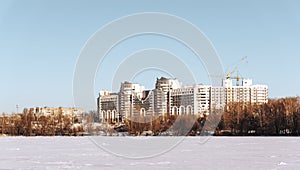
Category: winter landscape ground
[182,153]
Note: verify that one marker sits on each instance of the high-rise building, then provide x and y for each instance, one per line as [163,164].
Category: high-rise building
[163,88]
[247,93]
[171,97]
[108,106]
[190,99]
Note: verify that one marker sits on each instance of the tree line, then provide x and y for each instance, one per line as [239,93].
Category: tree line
[278,117]
[169,125]
[30,123]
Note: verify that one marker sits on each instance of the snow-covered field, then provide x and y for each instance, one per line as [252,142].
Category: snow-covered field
[160,153]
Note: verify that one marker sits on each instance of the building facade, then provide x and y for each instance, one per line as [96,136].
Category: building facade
[50,111]
[171,97]
[246,93]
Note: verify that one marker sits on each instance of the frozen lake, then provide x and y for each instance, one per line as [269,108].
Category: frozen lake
[160,153]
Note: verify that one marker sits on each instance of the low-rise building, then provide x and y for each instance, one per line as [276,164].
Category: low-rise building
[46,111]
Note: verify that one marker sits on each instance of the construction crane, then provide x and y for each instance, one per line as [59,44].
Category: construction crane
[237,77]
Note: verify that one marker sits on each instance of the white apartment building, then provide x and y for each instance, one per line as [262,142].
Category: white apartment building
[108,104]
[190,100]
[48,111]
[171,97]
[163,88]
[246,93]
[259,94]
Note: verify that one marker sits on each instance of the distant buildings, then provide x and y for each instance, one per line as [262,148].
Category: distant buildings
[170,96]
[49,111]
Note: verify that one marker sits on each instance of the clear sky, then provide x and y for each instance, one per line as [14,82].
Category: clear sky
[41,40]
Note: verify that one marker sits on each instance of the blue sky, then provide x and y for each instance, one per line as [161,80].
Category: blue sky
[41,40]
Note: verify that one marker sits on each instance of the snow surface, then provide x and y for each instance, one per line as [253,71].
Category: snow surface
[160,153]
